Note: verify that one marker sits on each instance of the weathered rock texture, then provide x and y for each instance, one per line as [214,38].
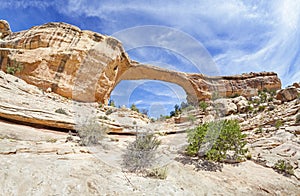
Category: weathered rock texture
[82,65]
[86,66]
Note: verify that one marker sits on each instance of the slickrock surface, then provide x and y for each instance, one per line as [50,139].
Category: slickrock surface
[38,162]
[86,66]
[26,103]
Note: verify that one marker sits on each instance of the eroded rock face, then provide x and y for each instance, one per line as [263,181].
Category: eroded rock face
[81,65]
[4,29]
[86,66]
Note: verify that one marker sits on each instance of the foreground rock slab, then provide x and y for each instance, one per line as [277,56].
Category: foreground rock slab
[44,163]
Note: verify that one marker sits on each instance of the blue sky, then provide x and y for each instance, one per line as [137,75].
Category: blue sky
[234,37]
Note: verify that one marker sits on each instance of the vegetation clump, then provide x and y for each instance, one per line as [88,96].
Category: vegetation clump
[61,111]
[134,108]
[90,132]
[158,173]
[177,111]
[203,105]
[140,154]
[278,124]
[14,67]
[108,112]
[283,166]
[217,141]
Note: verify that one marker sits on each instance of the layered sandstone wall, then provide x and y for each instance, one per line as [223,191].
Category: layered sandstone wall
[81,65]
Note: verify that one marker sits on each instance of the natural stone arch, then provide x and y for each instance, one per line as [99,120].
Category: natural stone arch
[143,71]
[86,66]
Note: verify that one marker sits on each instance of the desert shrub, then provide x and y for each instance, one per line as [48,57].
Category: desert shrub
[214,140]
[263,96]
[61,111]
[112,103]
[14,67]
[108,112]
[297,118]
[261,108]
[278,124]
[248,156]
[134,108]
[283,166]
[158,172]
[90,132]
[270,99]
[140,154]
[177,111]
[203,105]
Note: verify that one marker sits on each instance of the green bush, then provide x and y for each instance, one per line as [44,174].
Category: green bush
[283,166]
[140,154]
[261,108]
[278,124]
[263,96]
[158,172]
[90,132]
[134,108]
[214,140]
[14,67]
[203,105]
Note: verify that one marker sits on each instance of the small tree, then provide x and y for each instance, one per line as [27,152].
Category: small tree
[111,103]
[214,140]
[176,112]
[134,108]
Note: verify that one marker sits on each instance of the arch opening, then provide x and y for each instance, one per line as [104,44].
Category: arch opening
[154,96]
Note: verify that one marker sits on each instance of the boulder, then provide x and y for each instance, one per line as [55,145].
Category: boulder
[297,85]
[225,106]
[288,94]
[4,29]
[242,106]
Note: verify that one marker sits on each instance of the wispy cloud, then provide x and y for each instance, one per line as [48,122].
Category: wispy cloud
[242,36]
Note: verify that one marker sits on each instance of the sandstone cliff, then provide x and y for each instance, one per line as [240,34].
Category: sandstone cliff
[82,65]
[86,66]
